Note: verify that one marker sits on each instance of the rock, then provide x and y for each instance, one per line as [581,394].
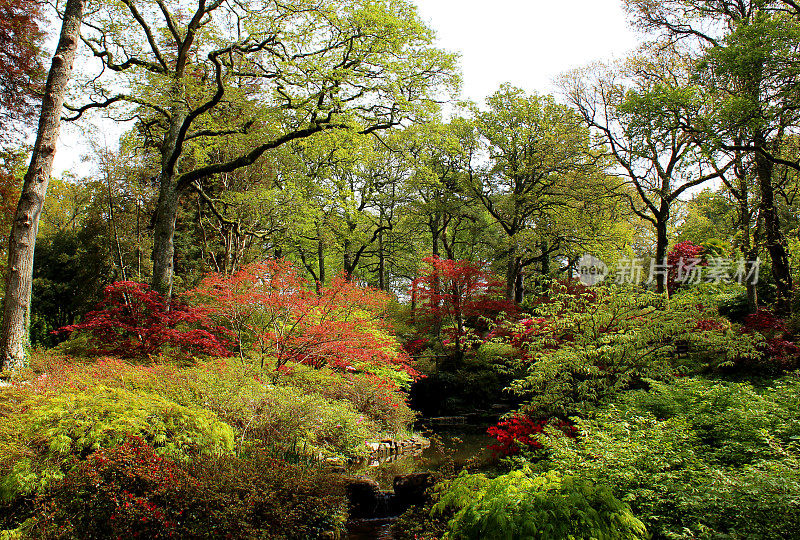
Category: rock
[409,489]
[367,499]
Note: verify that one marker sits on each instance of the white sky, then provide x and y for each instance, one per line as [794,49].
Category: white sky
[527,43]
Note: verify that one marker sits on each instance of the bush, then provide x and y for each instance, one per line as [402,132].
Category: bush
[134,322]
[696,459]
[522,505]
[581,350]
[132,491]
[273,313]
[378,400]
[46,435]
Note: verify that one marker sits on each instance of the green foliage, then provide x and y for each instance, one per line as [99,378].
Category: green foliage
[522,505]
[695,459]
[582,351]
[45,435]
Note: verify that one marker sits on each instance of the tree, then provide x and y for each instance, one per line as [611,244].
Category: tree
[254,76]
[455,292]
[17,300]
[21,71]
[745,54]
[639,113]
[538,165]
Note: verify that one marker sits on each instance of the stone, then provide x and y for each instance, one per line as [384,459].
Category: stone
[409,489]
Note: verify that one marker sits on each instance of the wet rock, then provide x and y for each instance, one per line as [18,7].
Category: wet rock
[409,489]
[367,499]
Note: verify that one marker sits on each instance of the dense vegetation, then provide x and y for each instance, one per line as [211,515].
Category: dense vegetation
[293,254]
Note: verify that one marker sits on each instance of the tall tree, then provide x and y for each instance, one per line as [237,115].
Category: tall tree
[17,300]
[746,56]
[256,74]
[538,164]
[639,110]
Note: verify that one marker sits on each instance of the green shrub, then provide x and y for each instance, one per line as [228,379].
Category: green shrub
[47,434]
[578,355]
[522,505]
[380,402]
[696,458]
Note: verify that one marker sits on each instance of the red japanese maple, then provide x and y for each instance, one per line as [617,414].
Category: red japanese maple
[519,431]
[271,308]
[133,321]
[455,292]
[682,260]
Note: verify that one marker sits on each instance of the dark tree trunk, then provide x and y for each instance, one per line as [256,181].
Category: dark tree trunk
[662,241]
[749,249]
[382,285]
[321,259]
[17,302]
[776,243]
[519,288]
[545,258]
[513,272]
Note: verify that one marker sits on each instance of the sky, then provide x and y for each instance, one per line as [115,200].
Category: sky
[527,43]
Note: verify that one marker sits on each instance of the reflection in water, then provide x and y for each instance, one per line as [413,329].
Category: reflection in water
[451,449]
[370,529]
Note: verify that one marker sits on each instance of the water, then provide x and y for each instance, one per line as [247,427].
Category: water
[452,448]
[370,529]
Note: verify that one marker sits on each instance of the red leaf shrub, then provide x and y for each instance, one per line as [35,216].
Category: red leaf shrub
[127,491]
[780,350]
[133,321]
[680,261]
[130,492]
[519,430]
[269,307]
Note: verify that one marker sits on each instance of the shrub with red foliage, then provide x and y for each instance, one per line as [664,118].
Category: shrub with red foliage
[681,260]
[127,491]
[780,350]
[520,430]
[133,321]
[458,292]
[131,492]
[269,306]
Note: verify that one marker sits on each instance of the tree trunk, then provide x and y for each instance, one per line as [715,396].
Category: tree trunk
[166,215]
[662,242]
[382,285]
[749,249]
[776,243]
[519,287]
[17,302]
[321,259]
[511,275]
[166,212]
[545,258]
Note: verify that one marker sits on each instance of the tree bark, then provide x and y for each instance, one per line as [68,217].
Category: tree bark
[17,302]
[776,243]
[662,241]
[382,284]
[511,275]
[166,212]
[166,215]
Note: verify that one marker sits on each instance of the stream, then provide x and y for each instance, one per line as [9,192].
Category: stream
[452,447]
